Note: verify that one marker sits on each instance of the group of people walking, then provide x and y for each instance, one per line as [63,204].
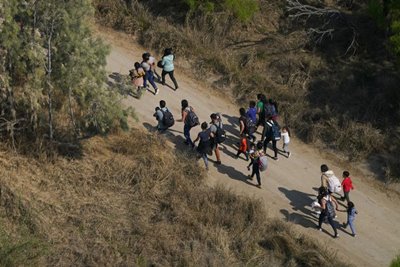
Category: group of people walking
[326,201]
[145,73]
[260,116]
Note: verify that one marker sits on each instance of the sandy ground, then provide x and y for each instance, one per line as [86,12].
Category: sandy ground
[289,185]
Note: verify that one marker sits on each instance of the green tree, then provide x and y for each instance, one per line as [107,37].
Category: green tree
[52,77]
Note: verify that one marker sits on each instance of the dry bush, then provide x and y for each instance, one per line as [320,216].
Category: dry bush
[274,55]
[130,201]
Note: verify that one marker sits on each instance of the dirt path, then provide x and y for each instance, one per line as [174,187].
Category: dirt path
[289,185]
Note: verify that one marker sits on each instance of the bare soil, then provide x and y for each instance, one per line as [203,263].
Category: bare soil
[289,185]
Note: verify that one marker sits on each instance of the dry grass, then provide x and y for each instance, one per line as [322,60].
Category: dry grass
[131,201]
[336,102]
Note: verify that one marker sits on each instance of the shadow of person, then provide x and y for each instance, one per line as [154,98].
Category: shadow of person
[299,200]
[298,218]
[232,173]
[231,125]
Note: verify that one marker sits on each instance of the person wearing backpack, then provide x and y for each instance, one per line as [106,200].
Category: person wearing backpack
[189,119]
[167,64]
[218,134]
[164,117]
[246,124]
[329,180]
[347,185]
[204,145]
[327,210]
[272,134]
[269,110]
[255,159]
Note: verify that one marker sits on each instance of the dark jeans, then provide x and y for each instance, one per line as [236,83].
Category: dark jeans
[274,148]
[346,196]
[330,220]
[241,152]
[186,133]
[171,75]
[256,171]
[149,77]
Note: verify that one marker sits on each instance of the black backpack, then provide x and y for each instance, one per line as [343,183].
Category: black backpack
[250,125]
[274,131]
[220,135]
[269,110]
[192,119]
[168,118]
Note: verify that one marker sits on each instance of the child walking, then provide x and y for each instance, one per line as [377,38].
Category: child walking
[243,148]
[286,140]
[351,215]
[347,185]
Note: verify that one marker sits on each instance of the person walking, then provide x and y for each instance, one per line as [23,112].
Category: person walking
[270,133]
[246,125]
[285,135]
[204,146]
[255,157]
[149,77]
[137,75]
[347,185]
[153,67]
[325,175]
[163,116]
[215,123]
[261,99]
[351,215]
[189,119]
[327,210]
[243,147]
[167,63]
[252,111]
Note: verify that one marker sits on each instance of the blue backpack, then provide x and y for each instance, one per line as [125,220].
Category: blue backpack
[275,132]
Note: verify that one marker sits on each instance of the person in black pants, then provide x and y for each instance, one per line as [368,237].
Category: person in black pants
[269,137]
[255,162]
[327,210]
[167,64]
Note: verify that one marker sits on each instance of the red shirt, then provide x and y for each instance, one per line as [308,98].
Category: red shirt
[347,184]
[243,145]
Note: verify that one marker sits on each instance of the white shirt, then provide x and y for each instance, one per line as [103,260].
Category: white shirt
[285,137]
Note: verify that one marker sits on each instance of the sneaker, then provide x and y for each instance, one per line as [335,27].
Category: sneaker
[319,229]
[353,235]
[336,236]
[275,158]
[248,168]
[249,177]
[344,225]
[288,154]
[156,91]
[176,88]
[218,162]
[259,186]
